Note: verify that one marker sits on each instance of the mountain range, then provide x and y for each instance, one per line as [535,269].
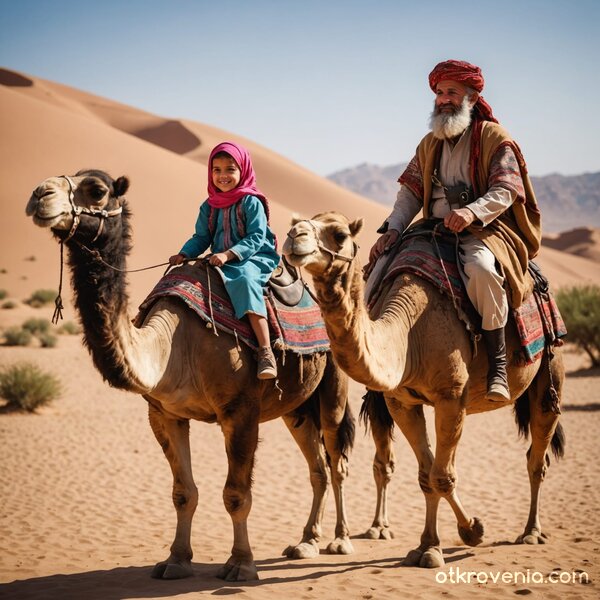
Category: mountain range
[566,201]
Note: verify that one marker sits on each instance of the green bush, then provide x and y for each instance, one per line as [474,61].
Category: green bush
[17,336]
[9,304]
[26,386]
[70,328]
[47,340]
[41,297]
[580,308]
[37,326]
[3,294]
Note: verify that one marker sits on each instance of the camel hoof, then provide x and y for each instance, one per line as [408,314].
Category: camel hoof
[379,533]
[413,558]
[167,570]
[238,570]
[308,549]
[431,558]
[473,534]
[532,538]
[340,546]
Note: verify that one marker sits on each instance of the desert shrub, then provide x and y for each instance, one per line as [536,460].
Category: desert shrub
[69,328]
[41,297]
[47,340]
[37,326]
[17,336]
[3,294]
[9,304]
[580,308]
[26,386]
[3,271]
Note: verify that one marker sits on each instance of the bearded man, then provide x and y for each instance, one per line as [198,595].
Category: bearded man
[469,172]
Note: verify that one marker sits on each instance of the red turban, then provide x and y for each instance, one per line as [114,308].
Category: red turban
[467,74]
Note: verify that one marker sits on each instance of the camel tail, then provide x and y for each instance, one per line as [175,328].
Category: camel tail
[522,415]
[346,432]
[558,442]
[374,412]
[522,418]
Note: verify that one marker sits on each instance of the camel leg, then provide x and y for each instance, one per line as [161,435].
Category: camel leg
[384,463]
[173,436]
[239,423]
[308,439]
[411,421]
[542,427]
[338,428]
[449,420]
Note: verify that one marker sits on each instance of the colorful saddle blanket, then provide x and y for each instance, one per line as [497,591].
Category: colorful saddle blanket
[430,251]
[298,329]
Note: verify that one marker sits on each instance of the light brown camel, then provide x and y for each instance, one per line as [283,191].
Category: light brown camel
[186,372]
[413,348]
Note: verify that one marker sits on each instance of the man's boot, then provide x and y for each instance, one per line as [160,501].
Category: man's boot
[497,382]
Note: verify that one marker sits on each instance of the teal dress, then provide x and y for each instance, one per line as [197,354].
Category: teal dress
[246,277]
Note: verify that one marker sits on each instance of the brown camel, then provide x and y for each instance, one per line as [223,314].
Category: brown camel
[186,372]
[413,348]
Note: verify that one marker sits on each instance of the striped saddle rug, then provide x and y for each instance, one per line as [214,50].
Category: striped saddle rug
[431,253]
[298,329]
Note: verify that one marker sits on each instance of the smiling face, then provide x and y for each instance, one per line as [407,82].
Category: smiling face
[225,173]
[449,96]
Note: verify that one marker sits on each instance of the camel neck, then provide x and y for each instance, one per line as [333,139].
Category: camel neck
[372,352]
[102,301]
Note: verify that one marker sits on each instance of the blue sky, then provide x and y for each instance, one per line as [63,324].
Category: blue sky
[327,84]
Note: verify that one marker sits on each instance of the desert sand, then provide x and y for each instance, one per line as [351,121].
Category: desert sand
[85,491]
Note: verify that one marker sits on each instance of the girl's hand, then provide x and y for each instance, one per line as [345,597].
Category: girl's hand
[177,259]
[219,259]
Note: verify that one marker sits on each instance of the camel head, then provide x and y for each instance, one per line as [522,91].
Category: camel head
[320,243]
[80,203]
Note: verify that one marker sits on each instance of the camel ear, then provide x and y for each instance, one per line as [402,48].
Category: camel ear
[120,186]
[355,227]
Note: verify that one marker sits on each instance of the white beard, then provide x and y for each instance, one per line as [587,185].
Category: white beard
[444,125]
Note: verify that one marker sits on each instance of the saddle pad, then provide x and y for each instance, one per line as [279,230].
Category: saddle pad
[418,255]
[299,329]
[539,323]
[538,319]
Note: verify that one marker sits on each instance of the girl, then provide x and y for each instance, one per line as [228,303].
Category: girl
[234,222]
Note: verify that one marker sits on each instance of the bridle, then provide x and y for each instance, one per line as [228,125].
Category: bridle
[320,246]
[77,211]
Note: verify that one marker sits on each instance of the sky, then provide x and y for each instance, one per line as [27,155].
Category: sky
[327,84]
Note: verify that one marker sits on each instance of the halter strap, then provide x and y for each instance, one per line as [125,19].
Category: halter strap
[332,254]
[76,211]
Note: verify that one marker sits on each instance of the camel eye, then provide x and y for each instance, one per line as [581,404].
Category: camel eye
[340,236]
[97,192]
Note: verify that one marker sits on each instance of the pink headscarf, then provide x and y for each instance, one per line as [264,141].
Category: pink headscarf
[247,184]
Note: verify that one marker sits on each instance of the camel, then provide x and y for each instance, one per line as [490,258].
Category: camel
[412,347]
[185,372]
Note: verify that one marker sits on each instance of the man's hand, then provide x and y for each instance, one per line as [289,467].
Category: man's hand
[458,219]
[177,259]
[383,244]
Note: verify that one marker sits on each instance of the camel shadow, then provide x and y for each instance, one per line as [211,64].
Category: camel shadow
[136,582]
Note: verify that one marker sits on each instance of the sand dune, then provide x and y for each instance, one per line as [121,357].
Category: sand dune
[85,491]
[582,241]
